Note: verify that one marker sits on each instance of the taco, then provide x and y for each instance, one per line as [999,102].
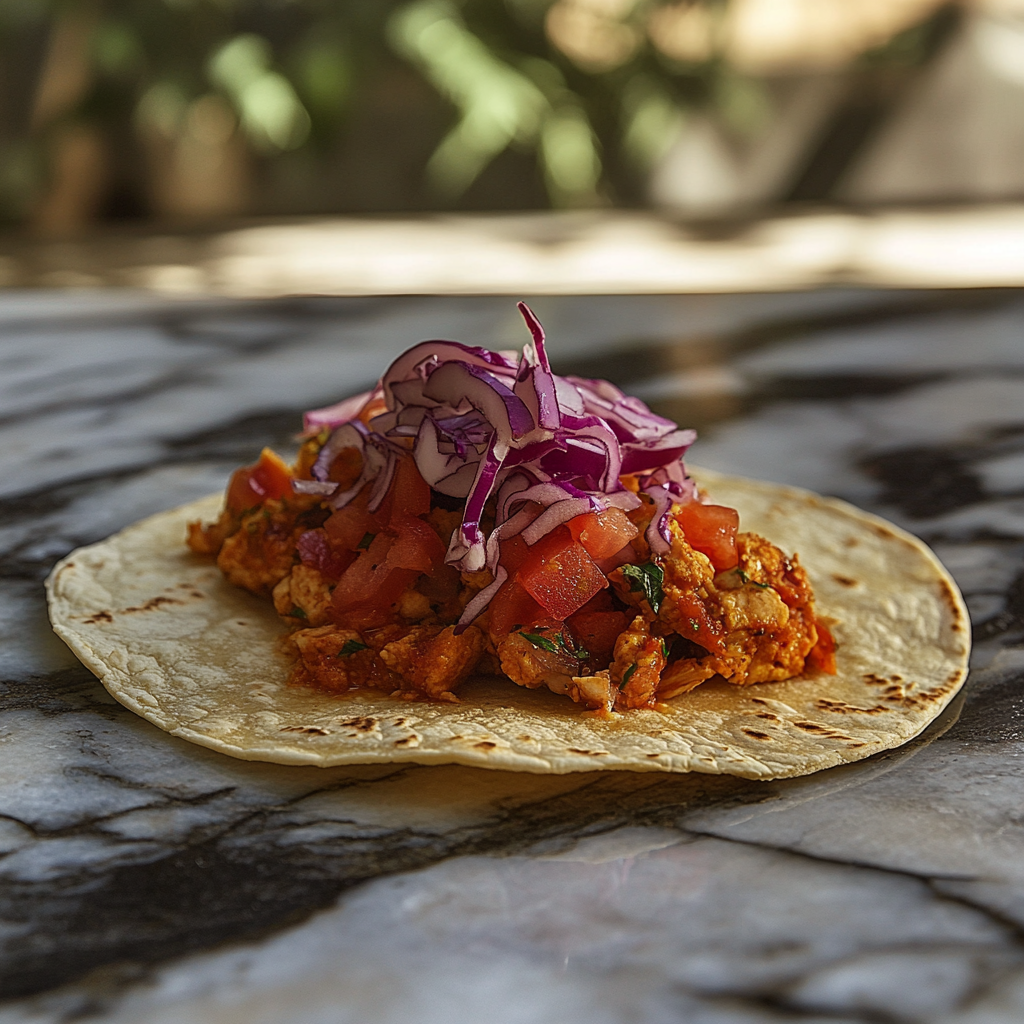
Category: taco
[476,522]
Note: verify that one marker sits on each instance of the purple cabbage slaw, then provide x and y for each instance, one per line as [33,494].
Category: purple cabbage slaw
[488,423]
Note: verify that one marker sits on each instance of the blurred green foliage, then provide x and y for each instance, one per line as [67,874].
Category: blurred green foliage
[361,104]
[302,76]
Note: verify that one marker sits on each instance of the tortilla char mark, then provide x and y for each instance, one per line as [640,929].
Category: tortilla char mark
[150,605]
[817,729]
[842,708]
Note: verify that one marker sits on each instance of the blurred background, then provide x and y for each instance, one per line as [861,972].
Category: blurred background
[198,112]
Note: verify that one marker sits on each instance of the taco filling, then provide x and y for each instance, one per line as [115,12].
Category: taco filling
[476,513]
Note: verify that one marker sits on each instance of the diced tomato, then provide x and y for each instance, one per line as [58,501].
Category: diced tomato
[512,606]
[513,553]
[416,545]
[409,493]
[250,486]
[348,527]
[603,534]
[711,529]
[559,574]
[369,587]
[345,468]
[697,625]
[600,602]
[822,655]
[316,551]
[597,632]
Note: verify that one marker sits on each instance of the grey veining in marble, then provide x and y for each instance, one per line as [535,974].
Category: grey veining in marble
[144,879]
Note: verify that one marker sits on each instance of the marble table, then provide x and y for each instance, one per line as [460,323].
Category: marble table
[145,879]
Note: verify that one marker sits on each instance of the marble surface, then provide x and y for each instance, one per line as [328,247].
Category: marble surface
[144,879]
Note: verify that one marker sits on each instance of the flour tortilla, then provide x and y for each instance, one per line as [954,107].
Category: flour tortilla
[199,658]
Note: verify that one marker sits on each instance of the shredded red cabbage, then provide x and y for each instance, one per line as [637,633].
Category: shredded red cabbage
[481,423]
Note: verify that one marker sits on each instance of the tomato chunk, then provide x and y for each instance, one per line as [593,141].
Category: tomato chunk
[512,606]
[316,551]
[369,587]
[416,545]
[697,625]
[409,493]
[352,528]
[711,529]
[597,632]
[559,574]
[268,477]
[603,534]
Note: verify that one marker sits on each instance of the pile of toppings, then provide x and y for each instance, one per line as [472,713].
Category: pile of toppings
[477,512]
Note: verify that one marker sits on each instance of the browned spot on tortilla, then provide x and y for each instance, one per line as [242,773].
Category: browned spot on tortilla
[406,739]
[949,596]
[844,581]
[768,715]
[854,746]
[154,602]
[524,738]
[874,680]
[398,722]
[654,755]
[851,542]
[842,708]
[98,617]
[757,700]
[821,730]
[312,730]
[896,679]
[69,565]
[485,745]
[757,735]
[591,753]
[882,531]
[360,724]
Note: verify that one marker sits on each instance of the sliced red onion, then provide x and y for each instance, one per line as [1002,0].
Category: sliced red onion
[334,415]
[657,536]
[382,483]
[670,448]
[349,435]
[324,487]
[462,384]
[479,603]
[467,550]
[440,352]
[555,515]
[479,423]
[535,383]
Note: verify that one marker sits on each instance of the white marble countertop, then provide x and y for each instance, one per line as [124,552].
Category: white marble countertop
[144,879]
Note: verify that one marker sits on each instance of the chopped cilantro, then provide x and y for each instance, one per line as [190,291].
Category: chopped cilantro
[297,612]
[647,580]
[627,675]
[555,644]
[695,625]
[579,653]
[366,541]
[351,647]
[541,642]
[747,579]
[664,649]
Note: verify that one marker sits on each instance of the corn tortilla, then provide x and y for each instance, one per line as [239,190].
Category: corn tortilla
[174,642]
